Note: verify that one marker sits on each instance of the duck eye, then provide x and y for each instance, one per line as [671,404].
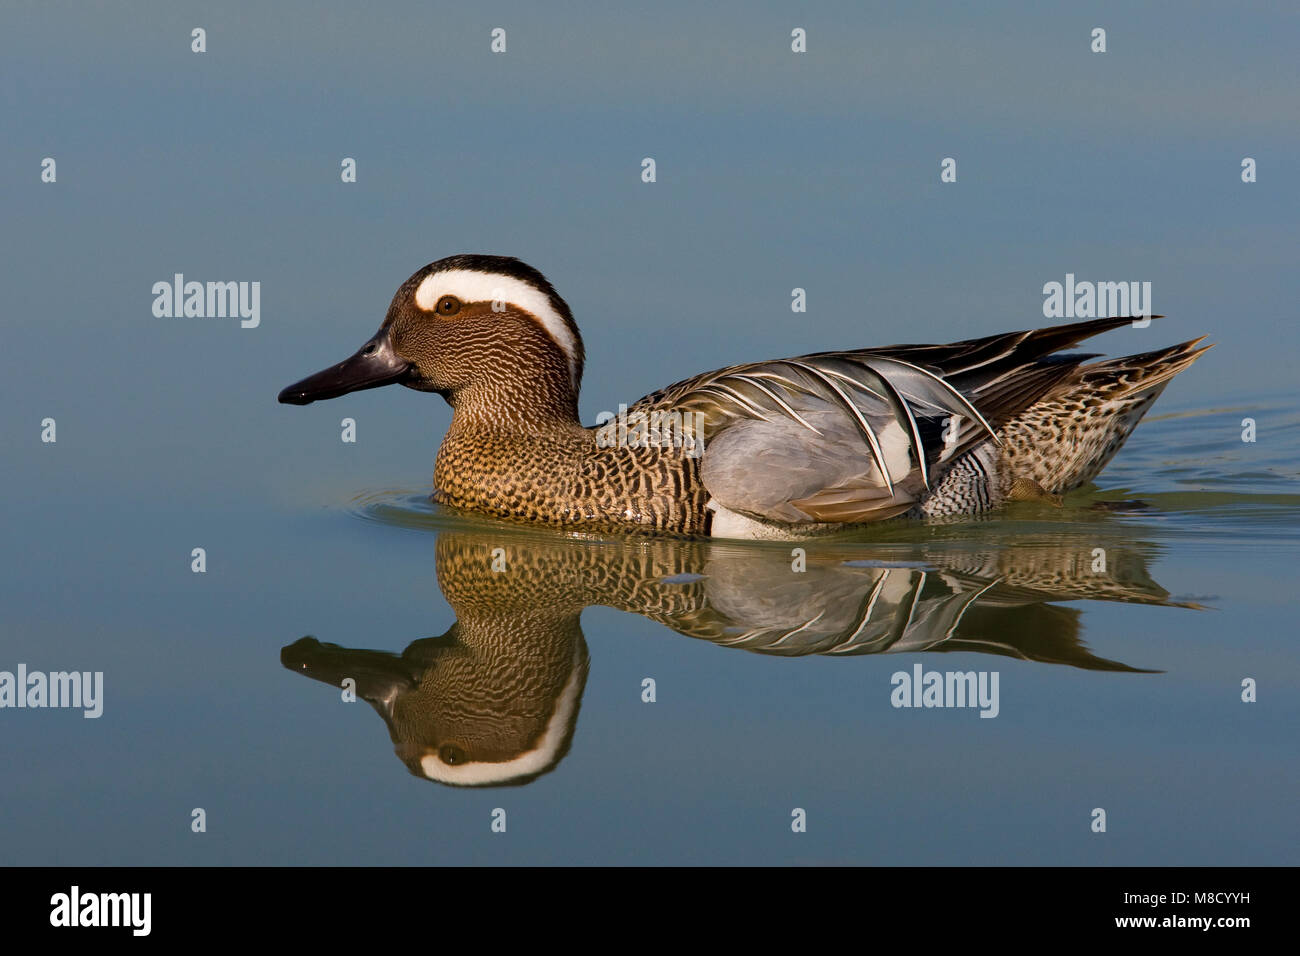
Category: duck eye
[448,305]
[451,754]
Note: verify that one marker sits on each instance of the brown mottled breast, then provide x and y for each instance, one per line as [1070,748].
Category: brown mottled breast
[563,477]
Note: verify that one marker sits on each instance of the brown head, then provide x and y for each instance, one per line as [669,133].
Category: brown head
[486,332]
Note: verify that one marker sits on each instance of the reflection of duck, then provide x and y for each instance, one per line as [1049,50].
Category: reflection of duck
[495,699]
[789,447]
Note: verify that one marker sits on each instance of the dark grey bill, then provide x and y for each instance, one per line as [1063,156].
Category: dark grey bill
[374,365]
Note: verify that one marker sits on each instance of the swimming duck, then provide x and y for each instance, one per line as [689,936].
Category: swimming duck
[782,449]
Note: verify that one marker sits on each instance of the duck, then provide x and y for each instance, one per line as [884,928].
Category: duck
[781,449]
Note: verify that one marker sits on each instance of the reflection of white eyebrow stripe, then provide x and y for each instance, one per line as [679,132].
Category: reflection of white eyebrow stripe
[470,286]
[480,773]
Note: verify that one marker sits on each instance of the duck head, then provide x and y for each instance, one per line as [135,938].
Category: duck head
[473,328]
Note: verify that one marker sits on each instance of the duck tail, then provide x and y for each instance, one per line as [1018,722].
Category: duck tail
[1137,374]
[1066,438]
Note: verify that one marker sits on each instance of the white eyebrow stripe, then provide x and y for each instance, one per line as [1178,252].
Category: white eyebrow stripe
[470,286]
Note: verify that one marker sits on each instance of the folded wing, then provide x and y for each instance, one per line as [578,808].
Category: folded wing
[862,435]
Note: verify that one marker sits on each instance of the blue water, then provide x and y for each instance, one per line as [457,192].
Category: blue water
[1118,690]
[1111,694]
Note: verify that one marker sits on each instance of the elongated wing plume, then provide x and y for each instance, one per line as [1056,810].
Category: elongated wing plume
[862,435]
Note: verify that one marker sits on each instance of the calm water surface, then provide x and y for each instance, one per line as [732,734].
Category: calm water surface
[503,668]
[1118,689]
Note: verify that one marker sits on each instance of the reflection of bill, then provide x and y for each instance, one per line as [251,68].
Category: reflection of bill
[461,708]
[495,699]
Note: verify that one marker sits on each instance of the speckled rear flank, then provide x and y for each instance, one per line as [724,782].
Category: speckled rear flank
[1066,439]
